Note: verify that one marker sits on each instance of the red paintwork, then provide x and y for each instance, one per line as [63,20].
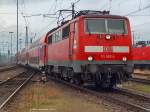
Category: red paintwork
[64,50]
[142,53]
[60,50]
[22,57]
[117,40]
[37,50]
[33,51]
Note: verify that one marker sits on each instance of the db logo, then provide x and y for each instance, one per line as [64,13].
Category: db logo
[107,49]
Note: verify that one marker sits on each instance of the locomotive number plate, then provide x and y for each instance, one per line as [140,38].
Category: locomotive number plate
[109,56]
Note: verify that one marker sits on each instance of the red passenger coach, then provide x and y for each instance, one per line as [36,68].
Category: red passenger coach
[37,53]
[141,57]
[94,47]
[23,57]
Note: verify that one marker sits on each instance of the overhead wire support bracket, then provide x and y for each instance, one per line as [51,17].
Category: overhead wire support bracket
[72,11]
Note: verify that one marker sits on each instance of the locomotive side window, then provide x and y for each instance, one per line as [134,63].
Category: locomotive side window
[116,26]
[60,36]
[50,39]
[53,38]
[56,36]
[65,32]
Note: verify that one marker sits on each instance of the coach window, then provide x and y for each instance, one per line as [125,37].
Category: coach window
[65,32]
[76,29]
[57,36]
[60,36]
[54,38]
[50,39]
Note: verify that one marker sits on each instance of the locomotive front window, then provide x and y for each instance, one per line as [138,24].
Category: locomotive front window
[116,26]
[105,26]
[95,26]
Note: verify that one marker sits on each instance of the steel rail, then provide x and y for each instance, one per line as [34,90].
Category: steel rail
[25,81]
[133,94]
[7,68]
[128,105]
[142,81]
[5,81]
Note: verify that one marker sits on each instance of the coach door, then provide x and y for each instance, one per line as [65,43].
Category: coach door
[40,55]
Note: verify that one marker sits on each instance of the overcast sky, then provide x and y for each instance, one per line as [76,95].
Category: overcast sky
[38,25]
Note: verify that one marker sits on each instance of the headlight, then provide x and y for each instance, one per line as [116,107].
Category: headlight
[124,59]
[90,58]
[108,37]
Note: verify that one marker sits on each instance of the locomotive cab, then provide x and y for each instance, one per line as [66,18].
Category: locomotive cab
[108,37]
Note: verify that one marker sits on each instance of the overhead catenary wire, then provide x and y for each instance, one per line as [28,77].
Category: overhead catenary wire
[77,1]
[52,5]
[22,12]
[55,13]
[139,15]
[138,10]
[140,4]
[108,3]
[45,27]
[142,23]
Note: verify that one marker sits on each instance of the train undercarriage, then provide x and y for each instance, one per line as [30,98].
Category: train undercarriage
[105,76]
[142,66]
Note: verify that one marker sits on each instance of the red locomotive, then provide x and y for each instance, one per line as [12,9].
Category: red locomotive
[92,48]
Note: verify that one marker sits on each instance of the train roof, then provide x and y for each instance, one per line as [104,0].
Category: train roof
[40,41]
[89,14]
[43,39]
[104,16]
[92,13]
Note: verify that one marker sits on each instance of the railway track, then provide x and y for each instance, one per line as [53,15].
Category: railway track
[131,101]
[9,88]
[138,80]
[133,94]
[7,68]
